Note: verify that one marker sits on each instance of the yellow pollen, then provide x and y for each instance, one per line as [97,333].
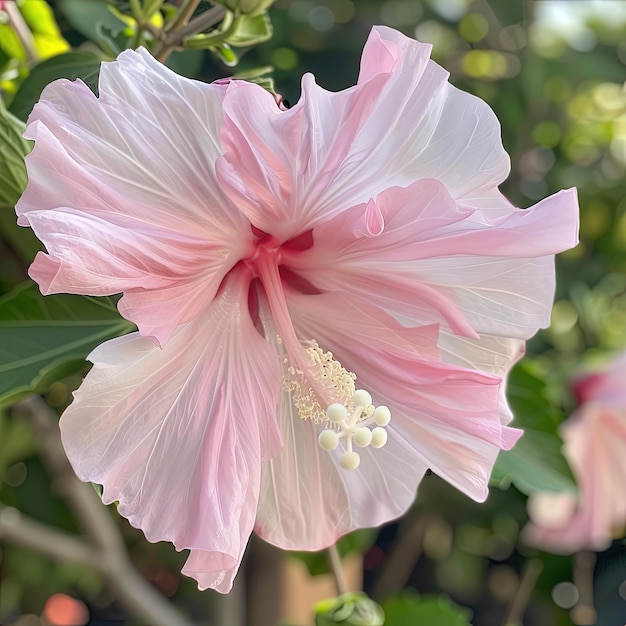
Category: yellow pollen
[336,383]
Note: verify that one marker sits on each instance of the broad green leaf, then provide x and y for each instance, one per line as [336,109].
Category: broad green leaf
[113,41]
[13,149]
[357,541]
[536,463]
[86,16]
[251,30]
[43,339]
[409,608]
[72,65]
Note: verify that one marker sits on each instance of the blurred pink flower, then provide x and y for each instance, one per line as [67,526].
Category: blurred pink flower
[267,254]
[595,447]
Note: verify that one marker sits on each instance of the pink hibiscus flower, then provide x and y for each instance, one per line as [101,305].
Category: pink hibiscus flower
[594,446]
[307,284]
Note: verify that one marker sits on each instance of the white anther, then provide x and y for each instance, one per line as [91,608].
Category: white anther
[382,415]
[336,413]
[361,398]
[363,437]
[328,440]
[350,460]
[379,437]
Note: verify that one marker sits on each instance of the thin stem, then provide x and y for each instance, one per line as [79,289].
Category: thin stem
[517,607]
[18,528]
[182,28]
[337,571]
[401,561]
[584,613]
[184,15]
[21,30]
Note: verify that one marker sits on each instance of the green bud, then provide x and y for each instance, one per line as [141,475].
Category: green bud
[349,609]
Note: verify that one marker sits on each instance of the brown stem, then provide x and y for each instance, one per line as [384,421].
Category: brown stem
[519,602]
[402,558]
[181,29]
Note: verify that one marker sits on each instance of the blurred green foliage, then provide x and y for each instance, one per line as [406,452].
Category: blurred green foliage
[553,72]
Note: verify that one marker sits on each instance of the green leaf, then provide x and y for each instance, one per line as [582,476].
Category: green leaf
[13,149]
[226,55]
[536,463]
[72,65]
[357,541]
[409,608]
[40,19]
[261,76]
[251,30]
[43,339]
[86,16]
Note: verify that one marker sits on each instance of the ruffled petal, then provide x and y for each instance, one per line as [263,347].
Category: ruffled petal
[130,170]
[494,355]
[447,416]
[176,436]
[307,501]
[278,164]
[402,122]
[467,272]
[433,130]
[595,445]
[605,386]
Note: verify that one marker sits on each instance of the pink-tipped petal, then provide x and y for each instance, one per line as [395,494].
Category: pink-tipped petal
[495,355]
[448,416]
[122,188]
[439,262]
[606,385]
[432,129]
[176,435]
[307,500]
[289,170]
[595,446]
[278,165]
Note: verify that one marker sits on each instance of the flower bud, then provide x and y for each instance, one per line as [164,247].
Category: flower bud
[349,609]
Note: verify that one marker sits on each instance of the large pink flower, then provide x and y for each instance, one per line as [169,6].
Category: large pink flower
[595,447]
[265,256]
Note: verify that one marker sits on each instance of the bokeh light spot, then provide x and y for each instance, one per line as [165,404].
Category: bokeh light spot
[63,610]
[321,18]
[547,133]
[285,58]
[399,13]
[473,27]
[343,10]
[565,595]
